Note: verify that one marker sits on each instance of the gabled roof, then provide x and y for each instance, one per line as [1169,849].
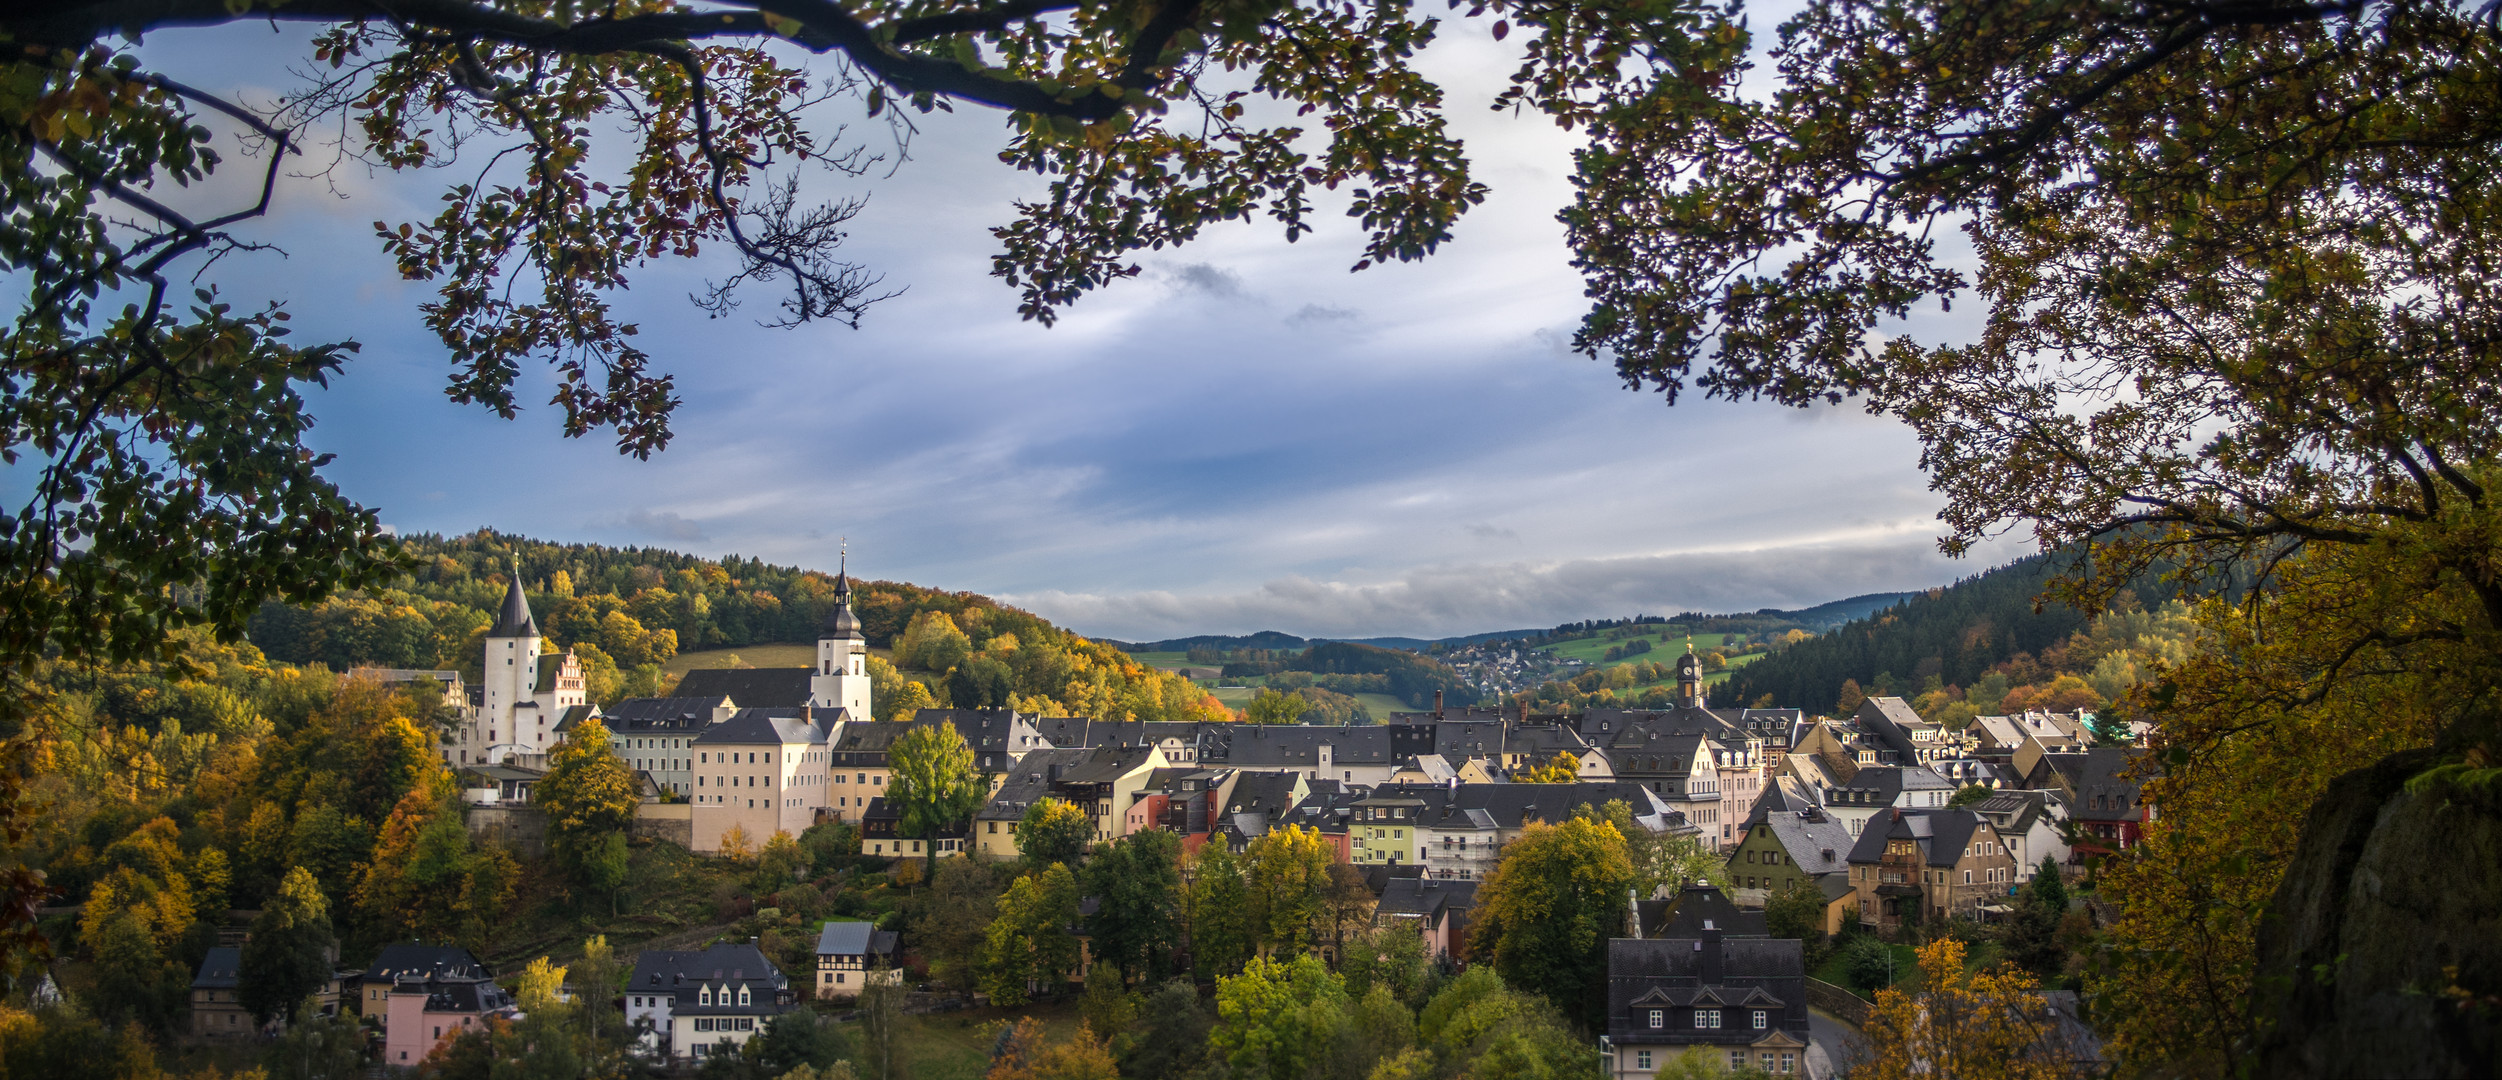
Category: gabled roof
[1816,842]
[1254,746]
[661,969]
[1696,909]
[854,939]
[1940,833]
[753,688]
[2102,792]
[423,961]
[675,713]
[1028,782]
[219,970]
[574,715]
[983,729]
[1428,898]
[773,727]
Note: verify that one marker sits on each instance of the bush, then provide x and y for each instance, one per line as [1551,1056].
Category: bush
[1870,963]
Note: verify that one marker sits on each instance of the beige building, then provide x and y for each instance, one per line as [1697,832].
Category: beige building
[849,955]
[760,773]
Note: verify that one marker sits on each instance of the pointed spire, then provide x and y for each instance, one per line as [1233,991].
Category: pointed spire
[840,622]
[515,621]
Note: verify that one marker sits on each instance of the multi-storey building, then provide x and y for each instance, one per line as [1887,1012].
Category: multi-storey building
[1738,1002]
[701,1003]
[760,773]
[1928,865]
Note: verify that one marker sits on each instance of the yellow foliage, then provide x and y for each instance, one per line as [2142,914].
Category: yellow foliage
[540,987]
[1991,1025]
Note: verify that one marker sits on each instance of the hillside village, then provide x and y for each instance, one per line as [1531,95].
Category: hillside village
[1885,821]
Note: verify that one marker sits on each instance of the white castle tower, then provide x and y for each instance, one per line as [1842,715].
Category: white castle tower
[841,680]
[523,692]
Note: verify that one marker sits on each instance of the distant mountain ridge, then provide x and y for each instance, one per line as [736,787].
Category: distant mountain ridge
[1822,617]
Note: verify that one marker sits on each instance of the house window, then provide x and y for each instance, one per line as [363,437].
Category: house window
[1659,1018]
[1707,1019]
[1642,1059]
[1762,1019]
[1737,1060]
[1787,1061]
[742,995]
[707,995]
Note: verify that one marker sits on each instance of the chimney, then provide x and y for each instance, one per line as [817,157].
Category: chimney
[1898,813]
[1437,704]
[1524,709]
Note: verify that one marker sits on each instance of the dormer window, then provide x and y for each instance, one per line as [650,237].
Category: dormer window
[742,996]
[706,995]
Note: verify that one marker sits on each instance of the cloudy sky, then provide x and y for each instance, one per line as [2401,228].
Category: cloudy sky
[1246,438]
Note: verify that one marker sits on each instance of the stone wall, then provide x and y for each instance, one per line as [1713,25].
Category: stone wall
[521,828]
[673,822]
[1839,1002]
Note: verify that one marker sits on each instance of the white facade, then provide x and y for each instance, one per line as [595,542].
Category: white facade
[523,693]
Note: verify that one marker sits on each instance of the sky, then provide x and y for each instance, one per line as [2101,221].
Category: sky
[1247,437]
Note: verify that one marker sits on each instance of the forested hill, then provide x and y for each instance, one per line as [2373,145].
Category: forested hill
[628,610]
[1958,635]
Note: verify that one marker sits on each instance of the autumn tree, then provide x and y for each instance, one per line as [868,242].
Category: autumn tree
[1271,707]
[1987,1025]
[934,786]
[1545,912]
[589,797]
[1662,857]
[1029,1053]
[1054,831]
[289,954]
[1278,1018]
[1564,769]
[427,880]
[1287,883]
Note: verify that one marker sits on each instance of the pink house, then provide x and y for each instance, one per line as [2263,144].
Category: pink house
[425,1012]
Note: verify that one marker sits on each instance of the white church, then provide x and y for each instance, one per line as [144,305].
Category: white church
[750,752]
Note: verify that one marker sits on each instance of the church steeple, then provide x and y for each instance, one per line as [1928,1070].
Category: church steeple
[840,622]
[841,680]
[1690,677]
[515,621]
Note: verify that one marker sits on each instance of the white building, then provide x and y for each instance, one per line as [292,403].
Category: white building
[687,1004]
[523,697]
[841,680]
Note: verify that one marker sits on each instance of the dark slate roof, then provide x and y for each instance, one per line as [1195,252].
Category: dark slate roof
[1541,742]
[1941,834]
[1378,876]
[218,970]
[1601,725]
[423,961]
[1817,842]
[763,726]
[1431,898]
[515,620]
[1695,909]
[684,974]
[839,621]
[855,939]
[1511,806]
[574,715]
[466,996]
[1029,782]
[662,714]
[1735,973]
[1268,793]
[1881,785]
[1253,746]
[1105,764]
[2015,811]
[753,688]
[985,730]
[2102,793]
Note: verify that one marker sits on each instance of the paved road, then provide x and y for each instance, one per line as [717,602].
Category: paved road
[1842,1043]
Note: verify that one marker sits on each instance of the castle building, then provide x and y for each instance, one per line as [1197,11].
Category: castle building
[523,698]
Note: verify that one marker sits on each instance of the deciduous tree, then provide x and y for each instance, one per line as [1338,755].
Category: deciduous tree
[1545,912]
[1222,935]
[1030,948]
[1137,884]
[1987,1025]
[934,785]
[1054,831]
[1286,875]
[589,797]
[289,954]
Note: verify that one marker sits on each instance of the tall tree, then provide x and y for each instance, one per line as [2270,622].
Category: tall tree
[1222,934]
[1279,1018]
[289,954]
[1030,947]
[934,785]
[1138,889]
[1544,914]
[589,797]
[1286,877]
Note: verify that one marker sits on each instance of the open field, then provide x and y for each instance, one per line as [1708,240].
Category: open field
[1166,660]
[1382,705]
[777,654]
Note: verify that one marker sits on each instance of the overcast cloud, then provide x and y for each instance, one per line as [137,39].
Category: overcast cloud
[1246,437]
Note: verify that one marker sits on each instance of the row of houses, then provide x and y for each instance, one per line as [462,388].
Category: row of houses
[683,1003]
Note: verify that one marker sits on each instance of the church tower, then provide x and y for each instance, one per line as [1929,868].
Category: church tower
[841,680]
[511,678]
[1690,677]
